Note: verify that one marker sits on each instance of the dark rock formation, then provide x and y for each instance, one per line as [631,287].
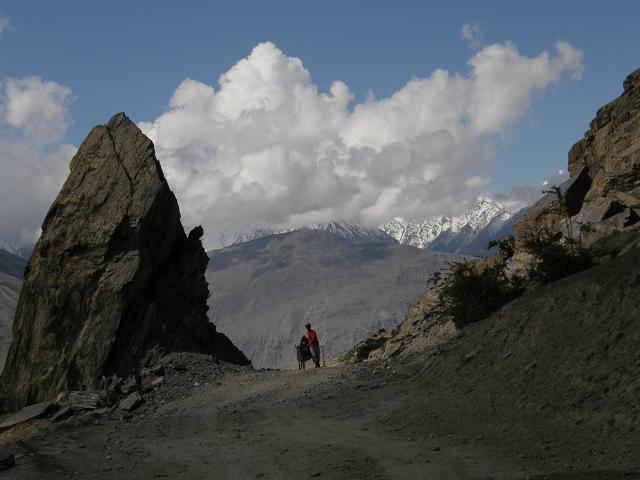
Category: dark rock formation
[112,277]
[604,191]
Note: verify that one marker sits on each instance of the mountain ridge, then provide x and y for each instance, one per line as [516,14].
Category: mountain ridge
[466,234]
[450,233]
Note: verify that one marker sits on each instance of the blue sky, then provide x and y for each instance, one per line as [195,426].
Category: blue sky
[131,56]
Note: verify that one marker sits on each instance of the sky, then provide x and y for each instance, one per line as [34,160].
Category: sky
[280,114]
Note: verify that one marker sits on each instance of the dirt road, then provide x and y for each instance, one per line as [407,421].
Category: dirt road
[328,423]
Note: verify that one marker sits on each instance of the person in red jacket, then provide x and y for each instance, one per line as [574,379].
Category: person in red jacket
[314,344]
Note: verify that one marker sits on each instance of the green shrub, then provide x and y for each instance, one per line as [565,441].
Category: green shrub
[474,290]
[506,246]
[555,257]
[470,293]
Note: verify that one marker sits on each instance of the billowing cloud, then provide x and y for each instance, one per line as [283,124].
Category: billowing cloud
[34,117]
[36,108]
[268,149]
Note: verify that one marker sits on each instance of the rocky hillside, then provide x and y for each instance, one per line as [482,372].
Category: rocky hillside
[603,193]
[557,368]
[11,272]
[265,290]
[112,278]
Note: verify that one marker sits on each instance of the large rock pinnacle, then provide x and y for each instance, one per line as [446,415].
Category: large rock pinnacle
[112,276]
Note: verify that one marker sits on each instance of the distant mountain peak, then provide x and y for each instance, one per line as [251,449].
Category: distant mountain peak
[446,233]
[455,234]
[350,230]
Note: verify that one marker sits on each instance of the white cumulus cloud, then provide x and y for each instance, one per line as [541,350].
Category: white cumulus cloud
[34,117]
[266,148]
[36,107]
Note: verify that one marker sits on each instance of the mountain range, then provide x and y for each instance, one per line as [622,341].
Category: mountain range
[466,234]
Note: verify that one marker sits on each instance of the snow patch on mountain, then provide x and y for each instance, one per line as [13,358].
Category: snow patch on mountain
[465,233]
[351,231]
[355,232]
[449,233]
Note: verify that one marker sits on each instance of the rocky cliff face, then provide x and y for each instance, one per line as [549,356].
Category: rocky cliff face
[603,192]
[112,276]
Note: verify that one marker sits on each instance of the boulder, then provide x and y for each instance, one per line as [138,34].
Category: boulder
[131,402]
[88,400]
[112,277]
[26,414]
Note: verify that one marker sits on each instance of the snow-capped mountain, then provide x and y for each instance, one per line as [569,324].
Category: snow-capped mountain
[253,235]
[460,234]
[355,232]
[351,231]
[468,233]
[17,248]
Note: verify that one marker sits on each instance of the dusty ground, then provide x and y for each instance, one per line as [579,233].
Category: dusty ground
[337,422]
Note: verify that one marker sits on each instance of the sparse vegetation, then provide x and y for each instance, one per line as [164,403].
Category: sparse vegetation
[471,293]
[555,256]
[474,290]
[506,246]
[563,209]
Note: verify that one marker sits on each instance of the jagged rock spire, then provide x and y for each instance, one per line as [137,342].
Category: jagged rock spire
[112,276]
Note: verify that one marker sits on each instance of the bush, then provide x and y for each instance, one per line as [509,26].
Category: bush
[474,290]
[556,257]
[470,293]
[506,246]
